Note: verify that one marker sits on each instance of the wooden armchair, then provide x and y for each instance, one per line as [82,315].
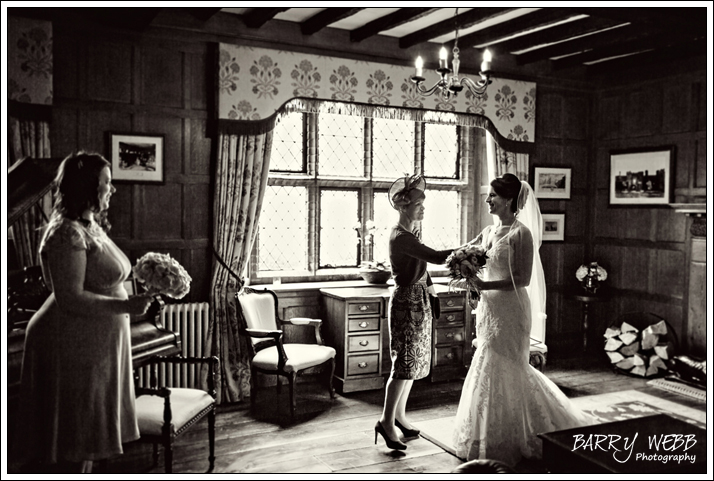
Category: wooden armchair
[270,354]
[164,413]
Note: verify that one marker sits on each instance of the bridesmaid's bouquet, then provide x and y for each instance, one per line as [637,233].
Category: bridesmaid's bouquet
[161,274]
[464,265]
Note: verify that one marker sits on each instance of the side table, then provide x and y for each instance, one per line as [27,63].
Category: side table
[586,298]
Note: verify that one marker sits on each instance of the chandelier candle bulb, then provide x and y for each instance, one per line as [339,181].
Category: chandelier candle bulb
[443,56]
[486,64]
[419,66]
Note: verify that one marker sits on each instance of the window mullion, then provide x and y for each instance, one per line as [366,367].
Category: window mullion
[418,147]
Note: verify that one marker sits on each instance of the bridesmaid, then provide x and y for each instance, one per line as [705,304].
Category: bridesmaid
[77,391]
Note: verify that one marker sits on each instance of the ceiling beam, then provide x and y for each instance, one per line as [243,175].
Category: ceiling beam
[326,17]
[464,20]
[394,19]
[681,18]
[258,16]
[691,49]
[650,42]
[555,34]
[596,40]
[203,14]
[539,18]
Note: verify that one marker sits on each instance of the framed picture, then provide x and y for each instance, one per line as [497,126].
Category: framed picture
[641,177]
[137,157]
[552,182]
[553,227]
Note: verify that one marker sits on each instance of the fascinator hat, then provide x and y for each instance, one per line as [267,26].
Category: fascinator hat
[406,190]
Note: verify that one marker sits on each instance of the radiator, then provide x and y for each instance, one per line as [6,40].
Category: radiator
[190,321]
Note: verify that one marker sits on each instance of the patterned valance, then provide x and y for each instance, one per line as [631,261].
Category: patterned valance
[254,83]
[29,60]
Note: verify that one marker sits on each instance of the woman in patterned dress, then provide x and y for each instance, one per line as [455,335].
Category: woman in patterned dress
[77,391]
[410,309]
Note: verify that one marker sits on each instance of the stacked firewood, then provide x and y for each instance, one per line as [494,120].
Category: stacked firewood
[644,353]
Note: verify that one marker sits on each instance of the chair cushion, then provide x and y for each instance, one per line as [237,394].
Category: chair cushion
[185,405]
[300,356]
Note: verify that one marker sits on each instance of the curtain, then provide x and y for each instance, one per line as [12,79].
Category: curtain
[241,177]
[506,161]
[29,138]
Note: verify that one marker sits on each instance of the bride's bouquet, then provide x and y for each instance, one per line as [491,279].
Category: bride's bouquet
[161,274]
[464,265]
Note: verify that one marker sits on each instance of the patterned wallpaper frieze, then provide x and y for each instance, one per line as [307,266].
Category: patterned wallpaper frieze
[29,60]
[255,82]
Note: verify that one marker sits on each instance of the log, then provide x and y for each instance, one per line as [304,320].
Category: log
[628,337]
[613,344]
[615,357]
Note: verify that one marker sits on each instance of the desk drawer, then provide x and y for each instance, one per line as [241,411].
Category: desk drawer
[368,342]
[449,356]
[363,364]
[452,302]
[451,318]
[448,335]
[371,307]
[363,324]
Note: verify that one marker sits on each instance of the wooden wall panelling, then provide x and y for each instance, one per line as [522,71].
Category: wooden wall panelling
[696,332]
[108,71]
[64,132]
[700,178]
[609,118]
[65,69]
[199,158]
[162,77]
[160,211]
[677,108]
[667,273]
[576,116]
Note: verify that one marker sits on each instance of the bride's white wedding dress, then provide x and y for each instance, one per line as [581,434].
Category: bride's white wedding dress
[506,402]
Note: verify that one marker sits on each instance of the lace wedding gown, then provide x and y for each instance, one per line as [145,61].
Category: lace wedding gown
[505,402]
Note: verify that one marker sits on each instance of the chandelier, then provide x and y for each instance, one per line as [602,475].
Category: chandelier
[452,85]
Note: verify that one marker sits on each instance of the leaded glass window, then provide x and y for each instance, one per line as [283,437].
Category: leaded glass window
[341,145]
[339,214]
[282,232]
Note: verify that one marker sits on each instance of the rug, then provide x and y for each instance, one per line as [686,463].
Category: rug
[608,407]
[679,388]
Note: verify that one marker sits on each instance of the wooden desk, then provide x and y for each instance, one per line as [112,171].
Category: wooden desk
[561,455]
[356,325]
[586,298]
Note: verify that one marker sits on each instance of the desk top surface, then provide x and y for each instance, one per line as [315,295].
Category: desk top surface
[369,291]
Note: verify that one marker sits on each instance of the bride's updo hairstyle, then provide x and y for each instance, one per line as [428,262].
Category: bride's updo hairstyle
[508,186]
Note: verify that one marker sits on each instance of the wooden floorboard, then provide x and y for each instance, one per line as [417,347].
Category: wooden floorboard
[337,436]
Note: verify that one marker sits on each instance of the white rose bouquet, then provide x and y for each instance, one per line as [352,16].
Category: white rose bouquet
[162,274]
[464,265]
[583,271]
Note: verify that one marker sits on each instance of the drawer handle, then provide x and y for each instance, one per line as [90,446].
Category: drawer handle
[451,318]
[363,324]
[362,365]
[364,343]
[450,355]
[363,308]
[450,303]
[450,335]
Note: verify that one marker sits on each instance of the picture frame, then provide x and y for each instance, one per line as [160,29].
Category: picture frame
[552,182]
[553,227]
[641,177]
[137,157]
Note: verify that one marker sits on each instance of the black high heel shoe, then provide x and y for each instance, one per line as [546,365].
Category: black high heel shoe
[409,433]
[378,428]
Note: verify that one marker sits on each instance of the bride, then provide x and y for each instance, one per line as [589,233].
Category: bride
[505,402]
